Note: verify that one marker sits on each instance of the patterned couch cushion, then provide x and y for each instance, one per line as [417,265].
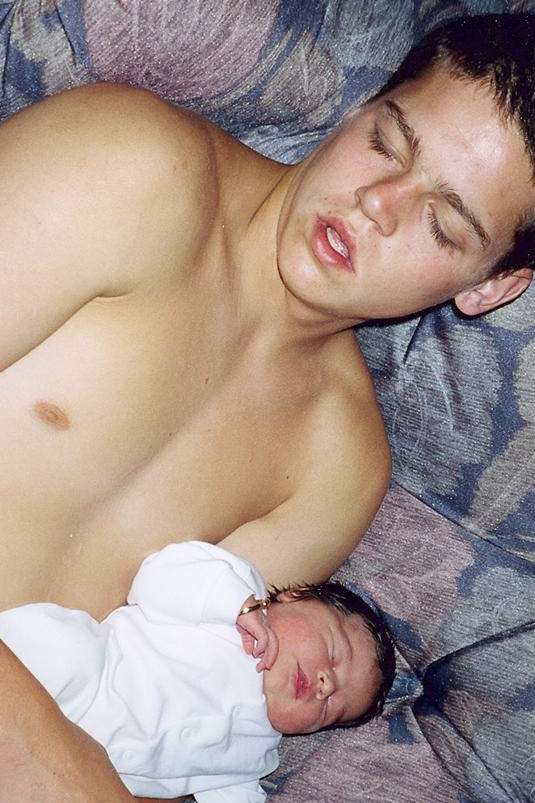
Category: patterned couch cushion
[450,555]
[461,717]
[459,401]
[42,51]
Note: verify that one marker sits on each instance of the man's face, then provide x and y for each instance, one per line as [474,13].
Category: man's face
[413,200]
[326,670]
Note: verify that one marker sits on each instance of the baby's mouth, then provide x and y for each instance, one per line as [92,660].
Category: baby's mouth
[302,683]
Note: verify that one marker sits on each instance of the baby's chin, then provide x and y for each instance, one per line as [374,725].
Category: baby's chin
[281,720]
[271,709]
[273,714]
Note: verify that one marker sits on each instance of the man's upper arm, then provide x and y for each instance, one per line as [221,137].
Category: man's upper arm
[90,195]
[43,756]
[346,470]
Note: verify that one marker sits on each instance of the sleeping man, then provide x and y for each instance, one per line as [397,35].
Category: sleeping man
[177,360]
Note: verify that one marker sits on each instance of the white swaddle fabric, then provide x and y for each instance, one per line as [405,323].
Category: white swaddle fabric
[163,682]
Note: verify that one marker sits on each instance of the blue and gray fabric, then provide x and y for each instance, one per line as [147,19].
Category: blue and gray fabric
[451,554]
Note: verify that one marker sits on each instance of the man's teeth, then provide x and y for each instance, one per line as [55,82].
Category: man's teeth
[336,242]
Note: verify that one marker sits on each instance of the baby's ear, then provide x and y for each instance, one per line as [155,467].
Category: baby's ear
[494,292]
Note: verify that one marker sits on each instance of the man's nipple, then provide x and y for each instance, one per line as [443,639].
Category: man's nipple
[52,415]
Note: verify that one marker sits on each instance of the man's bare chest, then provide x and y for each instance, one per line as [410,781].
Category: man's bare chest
[126,431]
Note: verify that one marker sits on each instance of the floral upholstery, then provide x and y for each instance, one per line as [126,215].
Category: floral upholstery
[450,556]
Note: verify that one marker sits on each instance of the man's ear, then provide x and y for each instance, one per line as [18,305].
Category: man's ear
[493,292]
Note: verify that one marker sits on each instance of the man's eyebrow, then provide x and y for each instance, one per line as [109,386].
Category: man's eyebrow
[449,195]
[457,203]
[398,116]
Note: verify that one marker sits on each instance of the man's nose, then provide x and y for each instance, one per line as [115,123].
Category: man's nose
[388,201]
[325,685]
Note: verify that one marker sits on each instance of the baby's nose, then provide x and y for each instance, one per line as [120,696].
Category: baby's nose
[325,685]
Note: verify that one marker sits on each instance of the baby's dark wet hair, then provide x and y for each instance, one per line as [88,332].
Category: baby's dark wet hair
[349,603]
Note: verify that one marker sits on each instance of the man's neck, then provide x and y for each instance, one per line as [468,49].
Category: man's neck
[264,297]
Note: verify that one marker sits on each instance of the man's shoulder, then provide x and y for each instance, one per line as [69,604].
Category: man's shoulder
[127,170]
[347,384]
[115,115]
[342,467]
[347,426]
[350,426]
[108,133]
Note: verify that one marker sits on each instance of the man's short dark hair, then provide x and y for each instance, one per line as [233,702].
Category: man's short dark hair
[498,52]
[351,602]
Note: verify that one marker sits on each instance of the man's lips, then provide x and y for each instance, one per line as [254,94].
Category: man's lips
[302,683]
[332,244]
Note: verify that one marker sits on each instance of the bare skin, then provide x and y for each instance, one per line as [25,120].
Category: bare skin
[185,368]
[145,414]
[147,417]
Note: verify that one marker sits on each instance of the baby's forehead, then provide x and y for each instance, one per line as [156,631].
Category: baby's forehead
[350,624]
[355,628]
[337,617]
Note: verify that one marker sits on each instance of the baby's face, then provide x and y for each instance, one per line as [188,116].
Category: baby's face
[326,671]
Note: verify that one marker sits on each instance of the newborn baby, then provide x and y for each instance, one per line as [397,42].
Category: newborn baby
[169,684]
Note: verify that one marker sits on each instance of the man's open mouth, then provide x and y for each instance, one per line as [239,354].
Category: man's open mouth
[336,242]
[332,244]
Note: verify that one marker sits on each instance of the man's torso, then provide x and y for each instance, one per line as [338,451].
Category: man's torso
[148,417]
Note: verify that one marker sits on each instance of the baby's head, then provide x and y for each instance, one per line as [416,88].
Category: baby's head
[335,664]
